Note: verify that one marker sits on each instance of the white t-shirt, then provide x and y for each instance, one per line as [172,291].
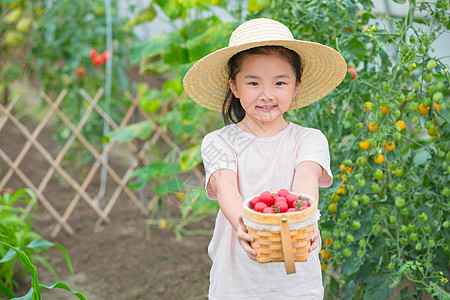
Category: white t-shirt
[261,164]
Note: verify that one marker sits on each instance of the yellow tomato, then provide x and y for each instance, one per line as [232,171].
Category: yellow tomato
[367,106]
[379,158]
[390,146]
[400,124]
[423,110]
[364,145]
[437,106]
[373,128]
[384,109]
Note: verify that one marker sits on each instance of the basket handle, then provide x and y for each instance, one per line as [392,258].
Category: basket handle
[288,251]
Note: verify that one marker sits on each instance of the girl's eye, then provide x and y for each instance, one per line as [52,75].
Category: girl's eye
[280,83]
[253,83]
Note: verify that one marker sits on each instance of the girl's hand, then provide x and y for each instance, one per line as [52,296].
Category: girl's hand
[315,238]
[244,239]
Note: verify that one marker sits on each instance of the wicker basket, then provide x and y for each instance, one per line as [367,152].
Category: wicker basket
[282,237]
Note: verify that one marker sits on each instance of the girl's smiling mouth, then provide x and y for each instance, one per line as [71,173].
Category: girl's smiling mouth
[266,108]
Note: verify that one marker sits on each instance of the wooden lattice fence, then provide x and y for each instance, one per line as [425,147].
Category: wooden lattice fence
[80,187]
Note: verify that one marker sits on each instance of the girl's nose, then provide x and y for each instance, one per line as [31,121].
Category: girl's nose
[266,94]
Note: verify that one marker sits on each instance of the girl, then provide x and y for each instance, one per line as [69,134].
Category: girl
[262,74]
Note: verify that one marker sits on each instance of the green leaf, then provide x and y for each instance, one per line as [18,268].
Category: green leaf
[150,100]
[421,157]
[196,201]
[171,8]
[144,16]
[40,244]
[8,256]
[357,48]
[169,186]
[139,130]
[28,296]
[190,158]
[61,285]
[377,287]
[27,263]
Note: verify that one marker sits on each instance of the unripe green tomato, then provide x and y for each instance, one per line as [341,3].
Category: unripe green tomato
[403,229]
[390,266]
[342,233]
[404,240]
[347,252]
[384,101]
[426,101]
[336,244]
[326,234]
[399,172]
[392,165]
[360,125]
[401,98]
[396,113]
[362,182]
[387,87]
[340,222]
[431,64]
[375,187]
[391,185]
[412,39]
[445,5]
[376,228]
[413,106]
[427,228]
[354,203]
[404,211]
[397,135]
[446,191]
[437,96]
[413,236]
[376,218]
[391,219]
[350,188]
[411,227]
[400,187]
[427,43]
[431,243]
[428,76]
[422,217]
[430,89]
[412,96]
[446,224]
[416,85]
[440,86]
[365,199]
[419,246]
[344,214]
[385,209]
[360,252]
[362,243]
[400,202]
[415,119]
[378,174]
[412,66]
[350,238]
[421,49]
[361,161]
[356,224]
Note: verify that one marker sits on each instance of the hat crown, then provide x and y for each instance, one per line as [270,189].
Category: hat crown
[259,30]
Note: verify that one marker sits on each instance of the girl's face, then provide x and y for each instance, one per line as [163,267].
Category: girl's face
[265,85]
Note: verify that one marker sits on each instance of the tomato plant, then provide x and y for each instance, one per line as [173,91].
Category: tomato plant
[389,126]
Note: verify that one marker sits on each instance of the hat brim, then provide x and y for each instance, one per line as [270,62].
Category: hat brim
[323,69]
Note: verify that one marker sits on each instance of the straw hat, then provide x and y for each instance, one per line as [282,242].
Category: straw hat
[323,67]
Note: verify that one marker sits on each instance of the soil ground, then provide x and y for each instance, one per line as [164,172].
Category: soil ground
[115,260]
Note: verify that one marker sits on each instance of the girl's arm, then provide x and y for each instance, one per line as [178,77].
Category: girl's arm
[306,180]
[224,184]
